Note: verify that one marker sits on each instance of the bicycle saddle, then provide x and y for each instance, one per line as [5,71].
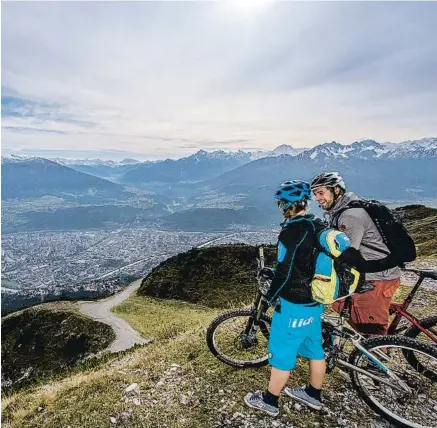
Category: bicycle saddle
[428,273]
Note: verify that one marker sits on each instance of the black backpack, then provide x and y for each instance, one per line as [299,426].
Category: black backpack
[401,248]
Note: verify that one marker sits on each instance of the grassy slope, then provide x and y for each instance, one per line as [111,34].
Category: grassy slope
[217,276]
[50,339]
[214,391]
[421,222]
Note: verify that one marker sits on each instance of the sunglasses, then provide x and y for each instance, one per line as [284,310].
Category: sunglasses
[283,204]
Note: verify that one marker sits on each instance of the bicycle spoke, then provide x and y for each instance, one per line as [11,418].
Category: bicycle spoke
[415,407]
[230,340]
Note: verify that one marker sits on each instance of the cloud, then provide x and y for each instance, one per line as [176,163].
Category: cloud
[21,129]
[173,77]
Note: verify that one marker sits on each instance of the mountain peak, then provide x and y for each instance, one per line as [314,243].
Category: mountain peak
[285,149]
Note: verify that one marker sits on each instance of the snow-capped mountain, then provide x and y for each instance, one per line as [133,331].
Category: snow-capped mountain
[425,143]
[370,149]
[199,166]
[220,155]
[283,149]
[405,172]
[366,149]
[16,159]
[424,148]
[94,162]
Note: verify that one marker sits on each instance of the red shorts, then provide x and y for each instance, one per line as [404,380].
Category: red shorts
[369,312]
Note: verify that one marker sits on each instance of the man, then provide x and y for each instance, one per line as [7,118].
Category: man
[370,310]
[296,326]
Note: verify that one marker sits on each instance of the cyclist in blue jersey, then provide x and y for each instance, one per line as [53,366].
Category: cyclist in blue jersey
[296,327]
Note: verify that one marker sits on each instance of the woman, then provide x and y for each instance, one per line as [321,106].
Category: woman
[297,327]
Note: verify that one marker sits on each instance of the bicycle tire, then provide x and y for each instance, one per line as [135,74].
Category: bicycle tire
[238,313]
[413,332]
[426,323]
[384,341]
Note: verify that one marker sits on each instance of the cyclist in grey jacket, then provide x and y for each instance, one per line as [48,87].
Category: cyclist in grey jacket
[370,310]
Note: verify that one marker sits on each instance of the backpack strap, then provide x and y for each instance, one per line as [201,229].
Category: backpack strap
[321,248]
[357,204]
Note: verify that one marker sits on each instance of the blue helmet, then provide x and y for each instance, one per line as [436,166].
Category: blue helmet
[293,191]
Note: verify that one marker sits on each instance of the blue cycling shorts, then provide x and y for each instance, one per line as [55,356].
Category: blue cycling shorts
[296,331]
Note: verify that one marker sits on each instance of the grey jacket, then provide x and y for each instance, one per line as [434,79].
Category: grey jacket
[360,228]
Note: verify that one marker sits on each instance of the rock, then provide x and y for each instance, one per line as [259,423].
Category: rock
[113,420]
[160,383]
[131,388]
[184,400]
[136,401]
[221,392]
[237,415]
[275,423]
[40,409]
[297,406]
[47,388]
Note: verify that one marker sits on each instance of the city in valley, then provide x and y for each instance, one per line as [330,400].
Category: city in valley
[42,266]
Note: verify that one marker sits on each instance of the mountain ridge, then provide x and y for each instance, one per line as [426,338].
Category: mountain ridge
[36,177]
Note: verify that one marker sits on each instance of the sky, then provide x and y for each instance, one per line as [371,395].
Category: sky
[155,80]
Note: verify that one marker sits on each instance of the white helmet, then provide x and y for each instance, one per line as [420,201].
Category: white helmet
[328,179]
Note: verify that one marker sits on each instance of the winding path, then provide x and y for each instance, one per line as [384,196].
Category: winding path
[126,336]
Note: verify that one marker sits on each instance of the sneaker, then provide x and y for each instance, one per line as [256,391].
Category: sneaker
[299,394]
[256,401]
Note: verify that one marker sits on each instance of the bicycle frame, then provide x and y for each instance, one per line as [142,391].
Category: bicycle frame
[400,309]
[259,306]
[356,339]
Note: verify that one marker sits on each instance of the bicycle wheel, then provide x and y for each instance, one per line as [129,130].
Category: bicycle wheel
[413,332]
[430,324]
[227,340]
[412,408]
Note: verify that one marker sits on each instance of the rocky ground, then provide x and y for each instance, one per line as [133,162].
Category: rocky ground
[176,386]
[411,278]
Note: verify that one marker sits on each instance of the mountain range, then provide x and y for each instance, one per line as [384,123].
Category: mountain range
[214,188]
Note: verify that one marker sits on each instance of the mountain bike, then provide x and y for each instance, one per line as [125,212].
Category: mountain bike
[424,329]
[389,383]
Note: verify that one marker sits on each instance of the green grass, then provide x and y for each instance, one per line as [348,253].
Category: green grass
[163,319]
[50,340]
[214,390]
